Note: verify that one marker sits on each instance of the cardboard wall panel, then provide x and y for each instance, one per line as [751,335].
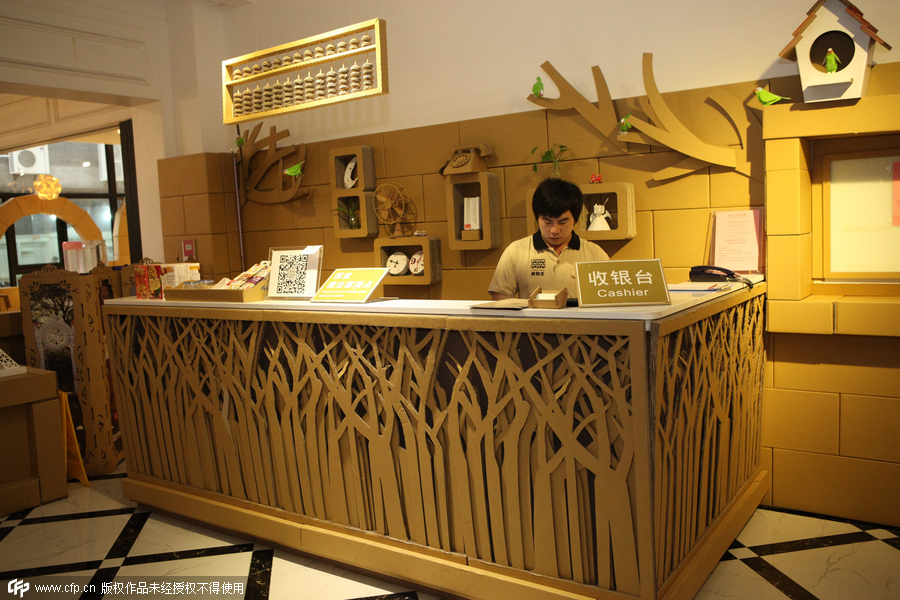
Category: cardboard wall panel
[419,150]
[813,314]
[869,427]
[511,137]
[789,266]
[865,315]
[799,420]
[788,202]
[172,210]
[788,155]
[845,364]
[679,237]
[834,485]
[204,214]
[191,174]
[638,247]
[729,189]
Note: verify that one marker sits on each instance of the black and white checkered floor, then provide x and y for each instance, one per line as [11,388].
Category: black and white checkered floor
[96,536]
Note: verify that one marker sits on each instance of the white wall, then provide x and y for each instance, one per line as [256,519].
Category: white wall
[476,58]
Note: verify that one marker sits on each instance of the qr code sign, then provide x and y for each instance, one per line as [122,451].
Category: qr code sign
[292,275]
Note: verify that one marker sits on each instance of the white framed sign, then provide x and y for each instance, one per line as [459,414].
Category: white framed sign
[294,272]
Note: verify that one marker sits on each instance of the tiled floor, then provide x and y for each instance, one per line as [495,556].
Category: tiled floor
[96,536]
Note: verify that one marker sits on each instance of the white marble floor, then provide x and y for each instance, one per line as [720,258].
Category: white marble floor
[96,539]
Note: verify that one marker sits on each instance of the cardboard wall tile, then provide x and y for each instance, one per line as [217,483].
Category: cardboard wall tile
[789,266]
[729,189]
[689,191]
[313,210]
[257,216]
[171,249]
[869,427]
[813,314]
[518,181]
[846,364]
[16,463]
[204,214]
[766,463]
[228,166]
[231,208]
[234,255]
[468,284]
[868,115]
[833,485]
[679,236]
[434,201]
[676,274]
[255,248]
[212,254]
[788,155]
[172,210]
[295,238]
[513,229]
[190,174]
[640,246]
[569,128]
[884,80]
[450,259]
[799,420]
[511,137]
[346,253]
[419,150]
[866,315]
[788,202]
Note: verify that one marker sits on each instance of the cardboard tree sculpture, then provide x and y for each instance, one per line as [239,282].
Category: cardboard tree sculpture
[833,49]
[659,127]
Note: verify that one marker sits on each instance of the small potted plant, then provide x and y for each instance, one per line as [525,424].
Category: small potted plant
[349,212]
[553,155]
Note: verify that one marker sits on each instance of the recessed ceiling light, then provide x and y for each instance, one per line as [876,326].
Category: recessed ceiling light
[86,163]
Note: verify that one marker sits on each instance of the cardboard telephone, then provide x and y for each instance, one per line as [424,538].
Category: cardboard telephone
[468,159]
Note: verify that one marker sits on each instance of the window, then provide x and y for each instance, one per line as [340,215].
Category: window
[92,174]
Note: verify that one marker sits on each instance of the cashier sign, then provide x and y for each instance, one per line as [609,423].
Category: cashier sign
[621,282]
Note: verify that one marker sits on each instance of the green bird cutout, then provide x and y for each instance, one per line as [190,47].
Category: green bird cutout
[831,61]
[624,125]
[538,88]
[767,97]
[239,142]
[296,170]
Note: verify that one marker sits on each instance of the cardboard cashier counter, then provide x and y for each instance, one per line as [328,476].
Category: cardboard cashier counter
[540,453]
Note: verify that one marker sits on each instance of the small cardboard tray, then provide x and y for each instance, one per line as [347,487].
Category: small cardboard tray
[558,301]
[194,294]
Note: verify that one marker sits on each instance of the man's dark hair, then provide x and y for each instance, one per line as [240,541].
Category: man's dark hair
[553,197]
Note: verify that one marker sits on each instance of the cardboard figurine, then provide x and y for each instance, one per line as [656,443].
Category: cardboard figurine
[831,61]
[599,218]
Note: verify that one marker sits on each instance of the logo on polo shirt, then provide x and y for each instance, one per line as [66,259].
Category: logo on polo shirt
[537,267]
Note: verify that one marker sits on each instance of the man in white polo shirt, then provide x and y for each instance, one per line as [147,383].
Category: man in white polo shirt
[547,258]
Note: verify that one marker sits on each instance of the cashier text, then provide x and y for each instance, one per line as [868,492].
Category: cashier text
[620,278]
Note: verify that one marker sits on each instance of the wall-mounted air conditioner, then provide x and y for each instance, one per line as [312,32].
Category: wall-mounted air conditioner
[31,161]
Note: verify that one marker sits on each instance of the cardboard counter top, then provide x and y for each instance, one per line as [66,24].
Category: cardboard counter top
[456,308]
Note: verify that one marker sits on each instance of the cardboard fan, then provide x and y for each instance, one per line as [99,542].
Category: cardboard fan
[396,212]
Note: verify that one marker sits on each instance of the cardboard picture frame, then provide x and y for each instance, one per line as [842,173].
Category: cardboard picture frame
[294,272]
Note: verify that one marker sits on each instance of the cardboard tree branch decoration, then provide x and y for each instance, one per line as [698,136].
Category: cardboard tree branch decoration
[256,165]
[668,130]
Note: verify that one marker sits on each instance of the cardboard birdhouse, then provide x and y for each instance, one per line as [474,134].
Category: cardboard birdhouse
[833,48]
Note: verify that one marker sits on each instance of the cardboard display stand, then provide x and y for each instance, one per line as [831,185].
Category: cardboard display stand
[66,336]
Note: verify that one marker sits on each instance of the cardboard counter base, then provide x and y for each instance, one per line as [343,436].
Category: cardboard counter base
[479,457]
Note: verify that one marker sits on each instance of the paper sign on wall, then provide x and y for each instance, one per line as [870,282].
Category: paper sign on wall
[619,282]
[350,285]
[738,239]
